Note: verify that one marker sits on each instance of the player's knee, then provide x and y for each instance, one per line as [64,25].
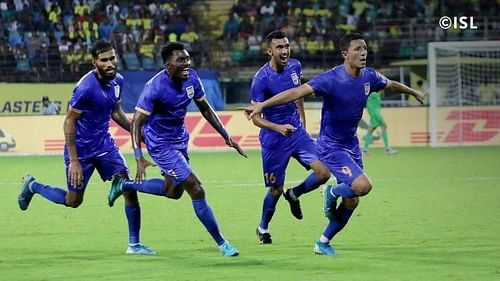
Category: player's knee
[74,202]
[321,172]
[276,190]
[130,197]
[323,175]
[362,185]
[176,193]
[193,187]
[364,189]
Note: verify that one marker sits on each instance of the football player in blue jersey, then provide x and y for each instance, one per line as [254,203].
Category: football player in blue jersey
[345,89]
[89,145]
[283,134]
[159,121]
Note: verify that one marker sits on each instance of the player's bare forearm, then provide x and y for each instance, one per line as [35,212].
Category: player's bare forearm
[262,123]
[396,86]
[69,129]
[284,129]
[136,125]
[212,118]
[120,118]
[288,95]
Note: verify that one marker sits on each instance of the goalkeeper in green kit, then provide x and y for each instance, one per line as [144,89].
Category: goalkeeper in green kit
[373,105]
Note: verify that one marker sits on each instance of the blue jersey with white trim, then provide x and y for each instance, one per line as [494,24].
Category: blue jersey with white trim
[166,102]
[267,83]
[344,98]
[96,100]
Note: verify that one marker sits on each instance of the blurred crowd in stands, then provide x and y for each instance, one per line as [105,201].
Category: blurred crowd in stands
[395,29]
[49,40]
[52,38]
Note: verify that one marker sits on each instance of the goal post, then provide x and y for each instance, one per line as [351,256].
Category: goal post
[464,93]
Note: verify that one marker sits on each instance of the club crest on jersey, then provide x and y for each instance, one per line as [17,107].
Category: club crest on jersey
[117,91]
[295,78]
[190,91]
[367,88]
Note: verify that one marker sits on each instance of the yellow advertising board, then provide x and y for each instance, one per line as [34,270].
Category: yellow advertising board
[26,99]
[406,127]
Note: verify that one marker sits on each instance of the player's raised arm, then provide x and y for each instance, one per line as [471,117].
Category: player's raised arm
[396,86]
[120,118]
[212,118]
[281,98]
[75,171]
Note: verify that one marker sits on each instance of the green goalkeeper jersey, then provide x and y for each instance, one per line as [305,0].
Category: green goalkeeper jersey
[374,101]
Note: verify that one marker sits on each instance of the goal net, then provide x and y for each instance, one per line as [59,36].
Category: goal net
[464,93]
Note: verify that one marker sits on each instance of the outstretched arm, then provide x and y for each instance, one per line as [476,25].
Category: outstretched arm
[396,86]
[281,98]
[120,118]
[75,171]
[212,118]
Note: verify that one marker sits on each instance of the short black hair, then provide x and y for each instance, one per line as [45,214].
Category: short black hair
[168,50]
[276,34]
[345,41]
[100,46]
[45,98]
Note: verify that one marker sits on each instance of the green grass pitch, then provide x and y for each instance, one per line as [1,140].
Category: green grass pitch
[433,214]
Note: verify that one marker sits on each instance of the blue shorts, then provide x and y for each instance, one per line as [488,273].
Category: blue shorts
[345,165]
[275,161]
[108,164]
[173,162]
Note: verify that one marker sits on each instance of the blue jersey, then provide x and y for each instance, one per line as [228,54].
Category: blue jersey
[166,104]
[344,98]
[267,83]
[96,100]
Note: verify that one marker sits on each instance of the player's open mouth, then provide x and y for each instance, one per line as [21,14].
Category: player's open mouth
[110,70]
[185,71]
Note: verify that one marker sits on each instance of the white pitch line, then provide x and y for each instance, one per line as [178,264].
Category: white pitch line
[291,182]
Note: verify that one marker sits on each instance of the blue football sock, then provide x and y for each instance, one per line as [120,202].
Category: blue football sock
[331,229]
[343,190]
[54,194]
[343,215]
[206,216]
[151,186]
[334,226]
[134,223]
[268,208]
[309,184]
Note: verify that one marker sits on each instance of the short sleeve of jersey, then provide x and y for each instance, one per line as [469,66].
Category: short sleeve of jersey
[299,68]
[199,91]
[257,90]
[79,99]
[380,81]
[319,84]
[119,81]
[146,100]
